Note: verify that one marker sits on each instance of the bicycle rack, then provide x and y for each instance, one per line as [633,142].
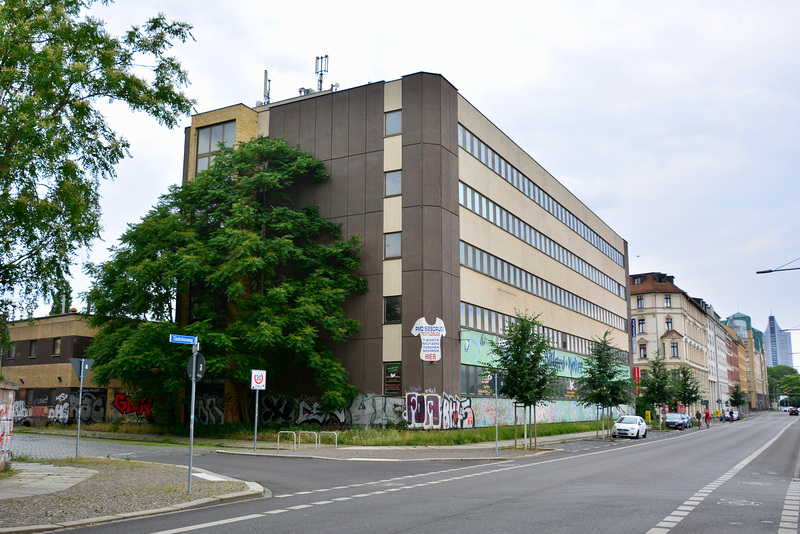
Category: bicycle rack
[294,437]
[316,438]
[335,437]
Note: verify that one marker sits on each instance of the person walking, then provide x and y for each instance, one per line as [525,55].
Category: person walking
[730,414]
[699,419]
[708,419]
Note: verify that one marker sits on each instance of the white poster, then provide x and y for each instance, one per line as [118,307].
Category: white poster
[431,337]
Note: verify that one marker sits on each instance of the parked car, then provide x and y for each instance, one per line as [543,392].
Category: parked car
[675,420]
[687,421]
[793,411]
[726,416]
[630,426]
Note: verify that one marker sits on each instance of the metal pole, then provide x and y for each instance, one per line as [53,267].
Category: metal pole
[496,433]
[78,412]
[255,430]
[191,416]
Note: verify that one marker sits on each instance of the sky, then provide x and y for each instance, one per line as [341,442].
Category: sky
[677,123]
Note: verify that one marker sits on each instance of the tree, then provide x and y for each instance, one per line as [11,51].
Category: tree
[606,378]
[61,298]
[55,144]
[775,376]
[523,358]
[656,384]
[686,387]
[266,281]
[739,397]
[790,384]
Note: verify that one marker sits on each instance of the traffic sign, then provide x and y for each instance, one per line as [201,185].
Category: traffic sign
[81,364]
[196,375]
[258,379]
[184,340]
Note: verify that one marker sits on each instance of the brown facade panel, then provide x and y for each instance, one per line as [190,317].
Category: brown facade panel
[374,124]
[412,110]
[433,240]
[432,177]
[357,121]
[323,126]
[356,184]
[374,185]
[341,114]
[412,175]
[373,367]
[308,121]
[412,239]
[432,110]
[373,308]
[372,241]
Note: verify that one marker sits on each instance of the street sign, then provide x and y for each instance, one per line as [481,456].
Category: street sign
[184,340]
[196,375]
[258,379]
[76,364]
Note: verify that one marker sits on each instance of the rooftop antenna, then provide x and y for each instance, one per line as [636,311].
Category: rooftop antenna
[266,86]
[320,68]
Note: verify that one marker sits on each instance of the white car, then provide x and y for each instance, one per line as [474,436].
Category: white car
[629,426]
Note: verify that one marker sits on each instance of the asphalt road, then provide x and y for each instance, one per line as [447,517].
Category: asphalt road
[738,477]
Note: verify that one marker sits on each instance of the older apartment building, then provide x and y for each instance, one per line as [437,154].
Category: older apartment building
[461,228]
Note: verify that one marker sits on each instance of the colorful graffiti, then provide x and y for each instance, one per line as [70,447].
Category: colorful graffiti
[20,411]
[141,411]
[209,410]
[7,404]
[429,410]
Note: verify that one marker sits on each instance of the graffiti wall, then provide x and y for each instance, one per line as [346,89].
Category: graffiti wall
[6,424]
[35,407]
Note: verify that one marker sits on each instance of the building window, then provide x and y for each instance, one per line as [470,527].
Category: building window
[392,310]
[667,301]
[392,245]
[394,183]
[32,353]
[673,348]
[208,140]
[12,352]
[669,324]
[640,302]
[637,280]
[641,326]
[57,347]
[394,123]
[643,350]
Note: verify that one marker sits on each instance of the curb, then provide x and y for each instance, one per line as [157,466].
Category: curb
[256,491]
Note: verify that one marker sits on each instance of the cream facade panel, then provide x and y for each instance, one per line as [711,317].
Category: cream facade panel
[392,214]
[392,342]
[393,153]
[393,95]
[49,327]
[263,123]
[246,128]
[393,277]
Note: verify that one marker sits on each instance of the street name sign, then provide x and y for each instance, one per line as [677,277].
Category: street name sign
[185,340]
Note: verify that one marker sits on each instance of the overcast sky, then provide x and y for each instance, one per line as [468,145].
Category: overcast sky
[676,122]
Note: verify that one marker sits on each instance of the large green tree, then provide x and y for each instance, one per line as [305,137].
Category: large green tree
[686,387]
[265,281]
[775,377]
[739,397]
[56,64]
[656,384]
[523,358]
[606,380]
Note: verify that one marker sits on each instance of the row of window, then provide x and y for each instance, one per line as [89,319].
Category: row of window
[488,210]
[499,269]
[508,172]
[485,320]
[641,328]
[667,301]
[32,349]
[475,383]
[673,350]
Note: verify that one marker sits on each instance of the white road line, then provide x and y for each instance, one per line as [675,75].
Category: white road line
[671,520]
[791,509]
[212,524]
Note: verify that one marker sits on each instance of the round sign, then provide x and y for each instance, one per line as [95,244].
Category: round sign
[196,375]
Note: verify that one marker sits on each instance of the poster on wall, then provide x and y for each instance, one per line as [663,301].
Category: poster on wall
[431,337]
[391,378]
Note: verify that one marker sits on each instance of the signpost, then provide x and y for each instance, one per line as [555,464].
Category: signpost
[258,382]
[498,383]
[81,366]
[196,368]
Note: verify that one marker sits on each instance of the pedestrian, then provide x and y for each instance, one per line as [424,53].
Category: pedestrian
[708,419]
[699,419]
[730,414]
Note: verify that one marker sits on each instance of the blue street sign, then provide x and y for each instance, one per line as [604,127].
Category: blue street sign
[185,340]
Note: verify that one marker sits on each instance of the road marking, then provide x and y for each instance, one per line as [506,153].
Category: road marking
[791,509]
[212,524]
[672,520]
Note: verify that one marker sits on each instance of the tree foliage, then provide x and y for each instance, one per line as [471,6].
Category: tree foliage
[739,397]
[656,383]
[606,376]
[56,64]
[266,280]
[606,380]
[523,358]
[686,387]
